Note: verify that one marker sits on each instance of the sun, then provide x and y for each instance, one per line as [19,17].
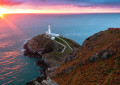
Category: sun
[1,15]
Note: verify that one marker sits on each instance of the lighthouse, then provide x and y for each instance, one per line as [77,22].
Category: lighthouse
[49,33]
[49,30]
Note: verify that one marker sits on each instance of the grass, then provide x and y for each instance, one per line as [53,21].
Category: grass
[69,42]
[67,50]
[60,53]
[57,39]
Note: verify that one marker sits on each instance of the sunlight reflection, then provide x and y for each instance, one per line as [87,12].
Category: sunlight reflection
[3,36]
[10,65]
[8,82]
[8,55]
[4,44]
[13,27]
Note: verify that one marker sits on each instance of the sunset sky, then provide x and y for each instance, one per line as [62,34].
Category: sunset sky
[59,6]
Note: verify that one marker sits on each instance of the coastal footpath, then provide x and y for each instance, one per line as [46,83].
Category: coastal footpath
[95,62]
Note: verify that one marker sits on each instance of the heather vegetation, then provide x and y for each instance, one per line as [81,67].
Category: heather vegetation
[97,63]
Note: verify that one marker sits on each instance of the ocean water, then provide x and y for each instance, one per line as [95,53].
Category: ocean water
[15,29]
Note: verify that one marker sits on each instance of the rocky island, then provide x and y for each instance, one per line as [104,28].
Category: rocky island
[96,62]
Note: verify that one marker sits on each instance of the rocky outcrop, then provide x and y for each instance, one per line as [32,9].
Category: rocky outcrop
[38,81]
[104,54]
[48,81]
[40,45]
[49,56]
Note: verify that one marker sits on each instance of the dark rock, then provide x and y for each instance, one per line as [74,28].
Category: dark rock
[39,62]
[106,55]
[30,83]
[41,51]
[94,57]
[39,45]
[40,79]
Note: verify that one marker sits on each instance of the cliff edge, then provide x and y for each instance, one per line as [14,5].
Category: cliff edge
[98,62]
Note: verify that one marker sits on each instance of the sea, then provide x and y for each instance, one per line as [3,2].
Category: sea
[16,29]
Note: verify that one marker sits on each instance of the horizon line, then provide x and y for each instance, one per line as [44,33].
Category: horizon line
[67,13]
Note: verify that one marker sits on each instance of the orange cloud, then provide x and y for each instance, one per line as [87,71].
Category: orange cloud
[9,2]
[23,8]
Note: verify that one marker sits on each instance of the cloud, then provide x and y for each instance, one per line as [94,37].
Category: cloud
[78,3]
[10,2]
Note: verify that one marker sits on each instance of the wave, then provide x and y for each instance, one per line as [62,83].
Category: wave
[25,41]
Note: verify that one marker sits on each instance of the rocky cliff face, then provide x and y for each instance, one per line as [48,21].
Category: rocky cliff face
[50,55]
[97,62]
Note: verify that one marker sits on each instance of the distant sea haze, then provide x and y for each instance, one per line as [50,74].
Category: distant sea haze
[15,68]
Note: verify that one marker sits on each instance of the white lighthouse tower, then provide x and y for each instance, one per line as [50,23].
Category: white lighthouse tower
[49,33]
[49,30]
